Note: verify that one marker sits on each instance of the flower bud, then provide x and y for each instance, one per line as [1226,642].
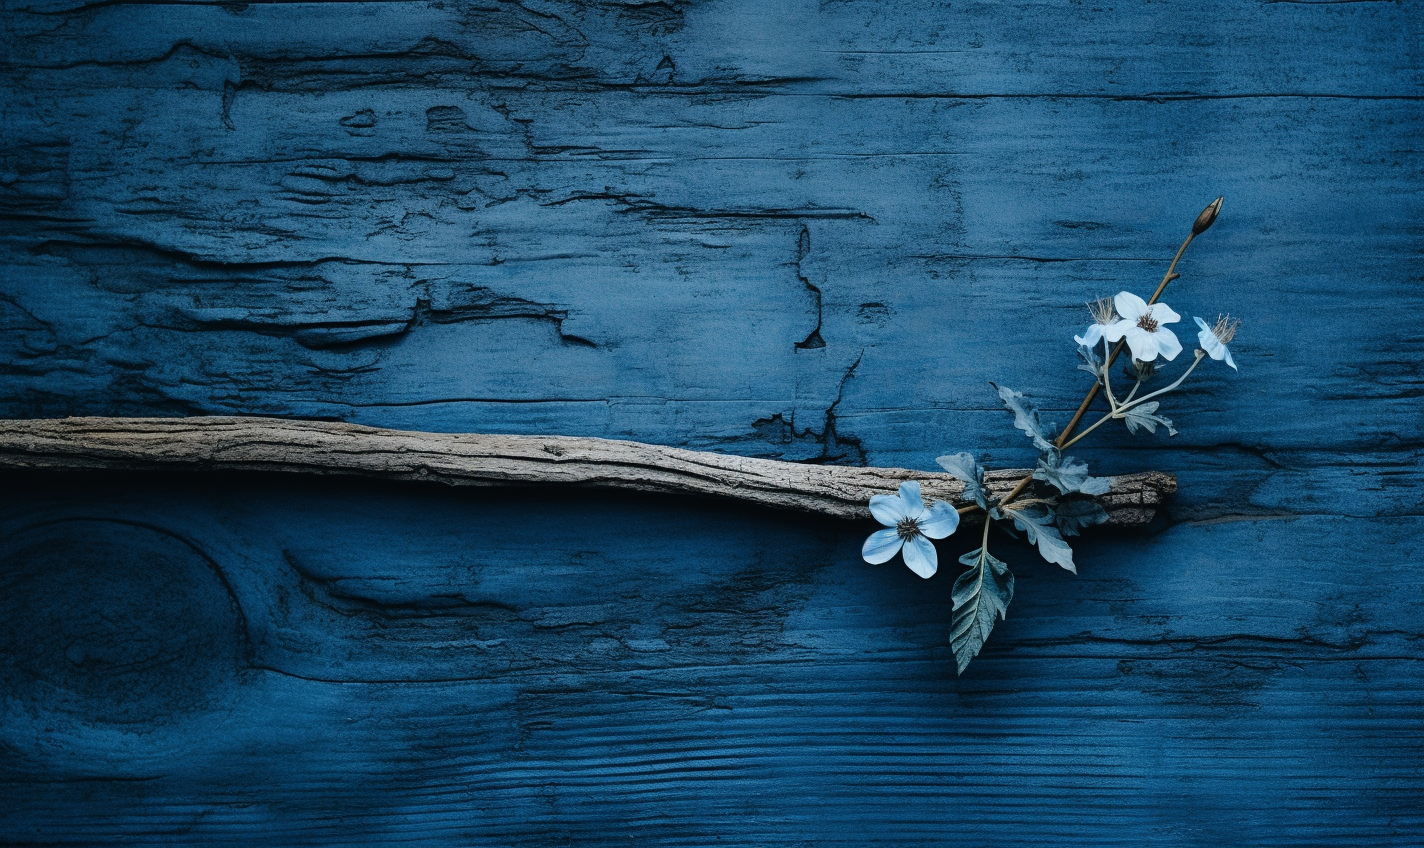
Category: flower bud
[1207,217]
[1136,370]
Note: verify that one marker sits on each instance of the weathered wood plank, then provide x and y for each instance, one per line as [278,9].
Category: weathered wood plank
[656,261]
[807,232]
[471,459]
[309,661]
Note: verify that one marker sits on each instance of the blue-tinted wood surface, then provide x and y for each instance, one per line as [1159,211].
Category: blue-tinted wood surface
[804,231]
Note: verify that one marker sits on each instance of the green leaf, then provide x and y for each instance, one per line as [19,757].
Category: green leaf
[1075,513]
[963,467]
[1025,417]
[1144,416]
[981,597]
[1068,476]
[1039,524]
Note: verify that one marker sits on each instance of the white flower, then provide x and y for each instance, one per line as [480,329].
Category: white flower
[1142,326]
[1104,315]
[1215,339]
[910,523]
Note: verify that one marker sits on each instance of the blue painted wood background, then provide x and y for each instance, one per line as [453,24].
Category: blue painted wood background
[794,230]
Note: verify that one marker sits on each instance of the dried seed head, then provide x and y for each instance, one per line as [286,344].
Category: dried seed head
[1207,217]
[1225,329]
[1103,310]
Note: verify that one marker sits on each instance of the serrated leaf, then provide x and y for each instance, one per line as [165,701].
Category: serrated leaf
[1090,362]
[1144,416]
[1025,417]
[981,597]
[1069,476]
[1038,522]
[963,467]
[1074,514]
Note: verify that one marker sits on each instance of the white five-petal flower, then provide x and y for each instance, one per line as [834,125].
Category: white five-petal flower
[1142,326]
[911,526]
[1215,339]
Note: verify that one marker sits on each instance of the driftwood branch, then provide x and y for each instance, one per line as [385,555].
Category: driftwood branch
[321,447]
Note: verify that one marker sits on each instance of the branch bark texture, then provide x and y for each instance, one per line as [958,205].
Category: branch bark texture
[468,459]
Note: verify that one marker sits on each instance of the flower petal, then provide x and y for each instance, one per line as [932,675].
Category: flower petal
[1167,343]
[1209,342]
[910,494]
[1115,331]
[940,520]
[1163,314]
[1229,360]
[1091,336]
[920,556]
[881,546]
[887,509]
[1142,343]
[1130,306]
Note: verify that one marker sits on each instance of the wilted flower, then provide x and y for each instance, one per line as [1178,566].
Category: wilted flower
[1104,315]
[911,526]
[1142,326]
[1214,339]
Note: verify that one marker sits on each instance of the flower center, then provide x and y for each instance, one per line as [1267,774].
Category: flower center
[908,528]
[1146,323]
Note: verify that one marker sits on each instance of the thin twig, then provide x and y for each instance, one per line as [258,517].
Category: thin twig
[1199,226]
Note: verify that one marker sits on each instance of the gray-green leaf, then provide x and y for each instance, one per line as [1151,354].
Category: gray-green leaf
[1075,514]
[1144,416]
[981,597]
[1090,362]
[1039,524]
[1025,417]
[963,466]
[1069,476]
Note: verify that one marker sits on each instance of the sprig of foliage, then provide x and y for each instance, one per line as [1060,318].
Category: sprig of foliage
[1025,418]
[981,597]
[1054,502]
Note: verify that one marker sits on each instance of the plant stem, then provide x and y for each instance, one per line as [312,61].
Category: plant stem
[1093,392]
[1107,387]
[1201,354]
[1062,441]
[1135,387]
[1095,425]
[1118,412]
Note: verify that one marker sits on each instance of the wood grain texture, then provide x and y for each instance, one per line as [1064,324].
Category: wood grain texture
[797,231]
[313,661]
[470,459]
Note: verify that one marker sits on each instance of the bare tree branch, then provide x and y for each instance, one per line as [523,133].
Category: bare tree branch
[323,447]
